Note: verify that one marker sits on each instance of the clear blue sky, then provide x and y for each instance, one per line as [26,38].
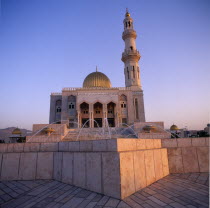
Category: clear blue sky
[46,45]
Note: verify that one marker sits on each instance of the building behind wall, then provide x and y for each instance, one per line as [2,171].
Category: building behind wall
[97,103]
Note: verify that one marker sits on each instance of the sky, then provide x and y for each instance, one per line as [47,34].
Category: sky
[46,45]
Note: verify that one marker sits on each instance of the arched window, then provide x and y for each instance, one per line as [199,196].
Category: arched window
[133,72]
[126,24]
[71,106]
[131,47]
[123,101]
[58,110]
[71,98]
[123,98]
[58,106]
[138,72]
[128,73]
[123,105]
[58,103]
[136,108]
[72,103]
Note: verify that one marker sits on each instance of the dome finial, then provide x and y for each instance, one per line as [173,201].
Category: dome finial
[127,14]
[96,69]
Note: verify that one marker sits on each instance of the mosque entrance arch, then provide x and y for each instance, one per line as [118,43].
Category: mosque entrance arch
[84,109]
[98,114]
[111,114]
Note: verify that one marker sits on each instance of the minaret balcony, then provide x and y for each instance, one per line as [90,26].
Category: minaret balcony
[129,33]
[130,54]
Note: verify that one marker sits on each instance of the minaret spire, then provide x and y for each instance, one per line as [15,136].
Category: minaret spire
[131,55]
[127,13]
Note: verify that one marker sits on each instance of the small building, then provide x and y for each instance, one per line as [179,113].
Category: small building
[16,136]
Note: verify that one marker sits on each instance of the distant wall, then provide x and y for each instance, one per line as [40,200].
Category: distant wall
[139,125]
[164,135]
[187,155]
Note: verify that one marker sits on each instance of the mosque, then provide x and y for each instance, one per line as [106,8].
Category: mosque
[97,103]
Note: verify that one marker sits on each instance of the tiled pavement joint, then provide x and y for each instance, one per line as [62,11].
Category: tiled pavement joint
[176,190]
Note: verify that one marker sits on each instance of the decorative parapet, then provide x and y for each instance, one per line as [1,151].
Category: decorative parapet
[130,54]
[56,93]
[68,89]
[128,34]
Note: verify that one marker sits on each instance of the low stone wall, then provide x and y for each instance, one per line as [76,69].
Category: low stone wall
[115,167]
[187,155]
[59,128]
[57,136]
[44,138]
[164,135]
[139,125]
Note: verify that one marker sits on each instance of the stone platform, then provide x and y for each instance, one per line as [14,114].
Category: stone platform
[175,190]
[113,167]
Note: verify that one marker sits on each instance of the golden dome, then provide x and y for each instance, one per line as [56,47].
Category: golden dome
[49,130]
[127,14]
[174,128]
[97,79]
[149,128]
[16,131]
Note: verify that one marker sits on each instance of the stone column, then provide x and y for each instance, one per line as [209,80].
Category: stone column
[104,115]
[91,116]
[78,119]
[116,115]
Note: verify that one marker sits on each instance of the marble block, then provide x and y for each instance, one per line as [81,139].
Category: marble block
[27,169]
[44,165]
[67,167]
[10,166]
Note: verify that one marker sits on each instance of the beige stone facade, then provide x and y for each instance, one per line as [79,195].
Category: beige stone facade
[115,106]
[97,104]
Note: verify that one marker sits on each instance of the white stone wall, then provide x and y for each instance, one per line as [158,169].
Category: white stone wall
[116,167]
[104,96]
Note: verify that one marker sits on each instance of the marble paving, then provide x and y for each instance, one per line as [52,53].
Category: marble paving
[176,190]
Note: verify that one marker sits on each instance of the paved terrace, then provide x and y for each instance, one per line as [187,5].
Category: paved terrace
[175,190]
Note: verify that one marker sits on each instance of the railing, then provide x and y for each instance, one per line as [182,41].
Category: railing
[69,89]
[56,93]
[129,31]
[130,52]
[94,88]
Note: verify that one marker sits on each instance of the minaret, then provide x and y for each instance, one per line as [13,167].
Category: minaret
[130,56]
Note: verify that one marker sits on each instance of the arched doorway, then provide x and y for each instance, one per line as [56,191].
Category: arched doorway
[111,114]
[98,114]
[84,109]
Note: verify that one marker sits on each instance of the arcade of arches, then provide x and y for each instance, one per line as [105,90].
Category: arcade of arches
[97,114]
